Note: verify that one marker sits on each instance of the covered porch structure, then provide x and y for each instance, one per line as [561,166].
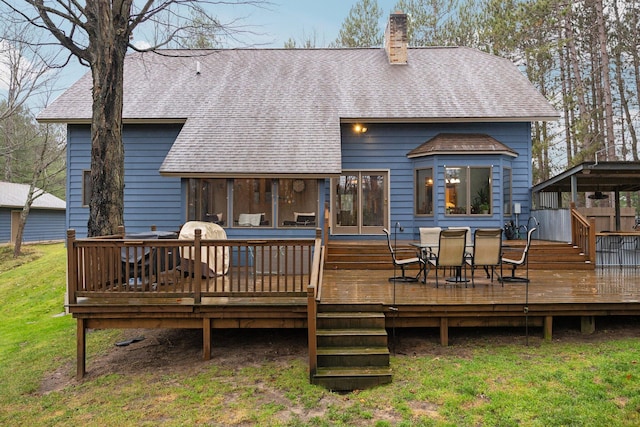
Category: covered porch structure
[599,178]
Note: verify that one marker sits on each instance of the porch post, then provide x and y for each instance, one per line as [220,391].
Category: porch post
[617,209]
[587,325]
[197,265]
[444,331]
[548,327]
[206,338]
[72,270]
[81,340]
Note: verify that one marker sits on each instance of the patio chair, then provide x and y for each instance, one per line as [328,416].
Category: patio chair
[468,241]
[522,261]
[403,263]
[487,252]
[451,252]
[429,241]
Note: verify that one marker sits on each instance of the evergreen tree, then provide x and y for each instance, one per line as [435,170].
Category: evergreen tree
[361,28]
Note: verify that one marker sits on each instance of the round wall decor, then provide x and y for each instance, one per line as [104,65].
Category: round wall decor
[298,185]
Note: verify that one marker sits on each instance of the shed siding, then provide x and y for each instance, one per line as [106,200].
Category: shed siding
[42,225]
[5,225]
[149,198]
[385,147]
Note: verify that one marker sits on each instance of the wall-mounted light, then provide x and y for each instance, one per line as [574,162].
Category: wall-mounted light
[358,128]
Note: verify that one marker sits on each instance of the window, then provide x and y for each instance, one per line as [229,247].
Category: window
[468,190]
[506,191]
[86,187]
[207,200]
[252,202]
[424,191]
[298,202]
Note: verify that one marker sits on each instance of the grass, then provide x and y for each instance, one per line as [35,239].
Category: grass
[551,384]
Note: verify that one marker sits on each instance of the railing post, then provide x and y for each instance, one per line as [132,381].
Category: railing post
[197,265]
[592,240]
[311,331]
[313,296]
[574,226]
[327,221]
[72,268]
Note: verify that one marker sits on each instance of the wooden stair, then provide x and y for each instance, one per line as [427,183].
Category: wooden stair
[352,348]
[374,255]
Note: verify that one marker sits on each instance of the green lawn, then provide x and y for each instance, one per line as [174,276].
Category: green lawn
[593,383]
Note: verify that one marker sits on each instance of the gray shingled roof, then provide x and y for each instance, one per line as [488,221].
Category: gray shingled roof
[15,195]
[278,111]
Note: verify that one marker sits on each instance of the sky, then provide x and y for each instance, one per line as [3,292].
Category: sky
[273,25]
[296,18]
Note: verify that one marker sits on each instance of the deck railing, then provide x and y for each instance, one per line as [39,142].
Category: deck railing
[119,267]
[583,233]
[313,298]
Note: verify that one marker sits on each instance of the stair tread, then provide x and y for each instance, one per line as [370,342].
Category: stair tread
[545,255]
[353,371]
[352,350]
[351,332]
[349,314]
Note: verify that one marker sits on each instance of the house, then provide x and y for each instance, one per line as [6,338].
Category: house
[261,140]
[46,220]
[275,145]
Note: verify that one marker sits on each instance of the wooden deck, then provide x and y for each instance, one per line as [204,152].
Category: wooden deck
[550,293]
[609,285]
[281,289]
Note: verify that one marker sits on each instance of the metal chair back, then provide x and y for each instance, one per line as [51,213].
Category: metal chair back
[451,249]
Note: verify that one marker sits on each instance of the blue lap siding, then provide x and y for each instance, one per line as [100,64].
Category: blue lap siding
[149,198]
[385,147]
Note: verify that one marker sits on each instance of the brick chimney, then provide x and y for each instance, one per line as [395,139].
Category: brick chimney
[395,38]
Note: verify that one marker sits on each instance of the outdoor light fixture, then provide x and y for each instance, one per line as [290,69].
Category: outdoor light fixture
[358,128]
[598,195]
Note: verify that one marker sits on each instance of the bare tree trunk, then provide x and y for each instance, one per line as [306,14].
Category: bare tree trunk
[635,55]
[106,207]
[606,82]
[564,82]
[581,128]
[627,120]
[24,214]
[47,154]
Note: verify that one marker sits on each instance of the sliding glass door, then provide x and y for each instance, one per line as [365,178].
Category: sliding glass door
[359,202]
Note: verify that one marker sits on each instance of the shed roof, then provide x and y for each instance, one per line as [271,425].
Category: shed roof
[461,143]
[278,111]
[14,195]
[595,176]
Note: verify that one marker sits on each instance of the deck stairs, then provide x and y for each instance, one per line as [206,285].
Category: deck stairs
[374,255]
[352,348]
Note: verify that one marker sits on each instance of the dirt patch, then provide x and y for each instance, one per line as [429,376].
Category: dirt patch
[180,351]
